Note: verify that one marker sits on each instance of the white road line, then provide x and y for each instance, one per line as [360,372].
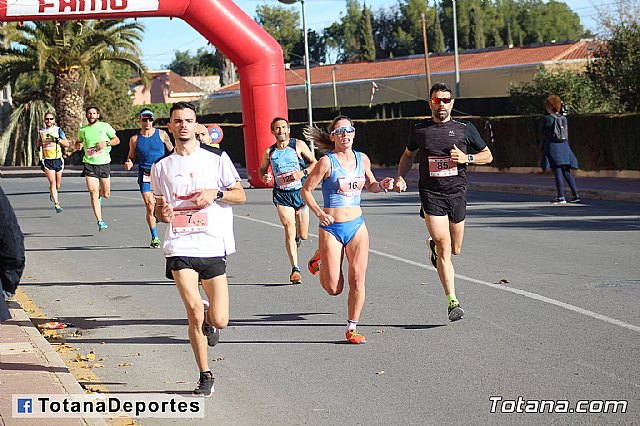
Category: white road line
[524,293]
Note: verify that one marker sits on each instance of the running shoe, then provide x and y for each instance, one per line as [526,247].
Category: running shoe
[434,252]
[314,263]
[102,226]
[558,200]
[354,337]
[575,200]
[298,241]
[295,276]
[212,333]
[58,208]
[205,385]
[455,312]
[155,242]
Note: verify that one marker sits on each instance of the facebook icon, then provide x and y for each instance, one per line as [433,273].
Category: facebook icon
[25,405]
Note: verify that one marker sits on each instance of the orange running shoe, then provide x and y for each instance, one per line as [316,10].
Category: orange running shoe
[354,337]
[314,263]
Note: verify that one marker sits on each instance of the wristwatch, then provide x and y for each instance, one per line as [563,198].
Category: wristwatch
[470,158]
[219,196]
[305,172]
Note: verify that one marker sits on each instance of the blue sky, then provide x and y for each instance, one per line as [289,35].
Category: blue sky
[163,36]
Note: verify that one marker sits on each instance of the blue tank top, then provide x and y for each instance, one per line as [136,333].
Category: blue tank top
[284,162]
[342,188]
[150,149]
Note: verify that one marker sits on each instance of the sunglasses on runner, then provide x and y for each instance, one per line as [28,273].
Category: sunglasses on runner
[147,119]
[48,118]
[343,129]
[441,100]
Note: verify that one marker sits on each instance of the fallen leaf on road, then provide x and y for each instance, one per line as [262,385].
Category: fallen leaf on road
[96,365]
[124,364]
[379,331]
[504,281]
[380,373]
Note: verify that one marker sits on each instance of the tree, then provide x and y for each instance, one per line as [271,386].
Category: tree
[204,62]
[576,90]
[112,96]
[610,17]
[18,142]
[73,53]
[476,28]
[227,69]
[435,34]
[283,24]
[367,43]
[615,68]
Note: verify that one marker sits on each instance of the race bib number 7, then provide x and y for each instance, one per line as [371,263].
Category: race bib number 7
[188,220]
[442,166]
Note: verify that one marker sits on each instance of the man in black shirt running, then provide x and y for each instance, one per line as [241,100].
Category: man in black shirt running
[446,144]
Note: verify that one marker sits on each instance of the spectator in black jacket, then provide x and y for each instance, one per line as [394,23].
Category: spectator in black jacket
[11,253]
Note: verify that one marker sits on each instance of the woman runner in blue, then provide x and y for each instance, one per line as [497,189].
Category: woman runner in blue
[343,173]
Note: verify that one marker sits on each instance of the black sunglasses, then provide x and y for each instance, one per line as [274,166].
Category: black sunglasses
[147,119]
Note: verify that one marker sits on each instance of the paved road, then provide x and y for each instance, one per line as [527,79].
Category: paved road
[565,325]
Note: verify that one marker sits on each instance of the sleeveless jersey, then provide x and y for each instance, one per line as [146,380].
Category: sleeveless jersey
[150,149]
[342,188]
[284,162]
[50,148]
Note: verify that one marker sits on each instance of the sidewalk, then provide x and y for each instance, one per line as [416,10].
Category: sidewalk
[29,365]
[539,184]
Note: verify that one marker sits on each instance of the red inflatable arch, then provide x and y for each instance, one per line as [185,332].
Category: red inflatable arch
[257,56]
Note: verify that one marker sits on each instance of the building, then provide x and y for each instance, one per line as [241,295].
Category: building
[483,73]
[167,87]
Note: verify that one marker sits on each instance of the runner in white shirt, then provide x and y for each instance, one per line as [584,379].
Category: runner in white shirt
[194,190]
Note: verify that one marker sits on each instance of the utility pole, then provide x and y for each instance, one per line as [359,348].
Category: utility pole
[426,52]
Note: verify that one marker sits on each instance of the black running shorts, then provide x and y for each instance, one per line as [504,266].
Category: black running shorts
[101,171]
[454,207]
[206,267]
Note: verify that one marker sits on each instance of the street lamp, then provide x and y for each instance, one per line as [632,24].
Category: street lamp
[333,79]
[306,65]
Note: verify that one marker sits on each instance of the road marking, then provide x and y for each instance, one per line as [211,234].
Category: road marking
[524,293]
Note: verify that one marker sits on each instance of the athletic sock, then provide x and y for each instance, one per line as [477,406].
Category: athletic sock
[351,325]
[154,232]
[451,298]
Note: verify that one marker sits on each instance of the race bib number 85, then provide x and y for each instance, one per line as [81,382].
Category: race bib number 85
[442,167]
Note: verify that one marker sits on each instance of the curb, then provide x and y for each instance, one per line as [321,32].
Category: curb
[68,382]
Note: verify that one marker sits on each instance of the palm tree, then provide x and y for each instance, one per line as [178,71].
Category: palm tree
[75,53]
[18,142]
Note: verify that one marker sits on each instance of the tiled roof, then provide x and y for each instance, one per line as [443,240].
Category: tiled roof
[177,84]
[441,63]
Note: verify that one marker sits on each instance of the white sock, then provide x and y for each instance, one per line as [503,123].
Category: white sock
[351,325]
